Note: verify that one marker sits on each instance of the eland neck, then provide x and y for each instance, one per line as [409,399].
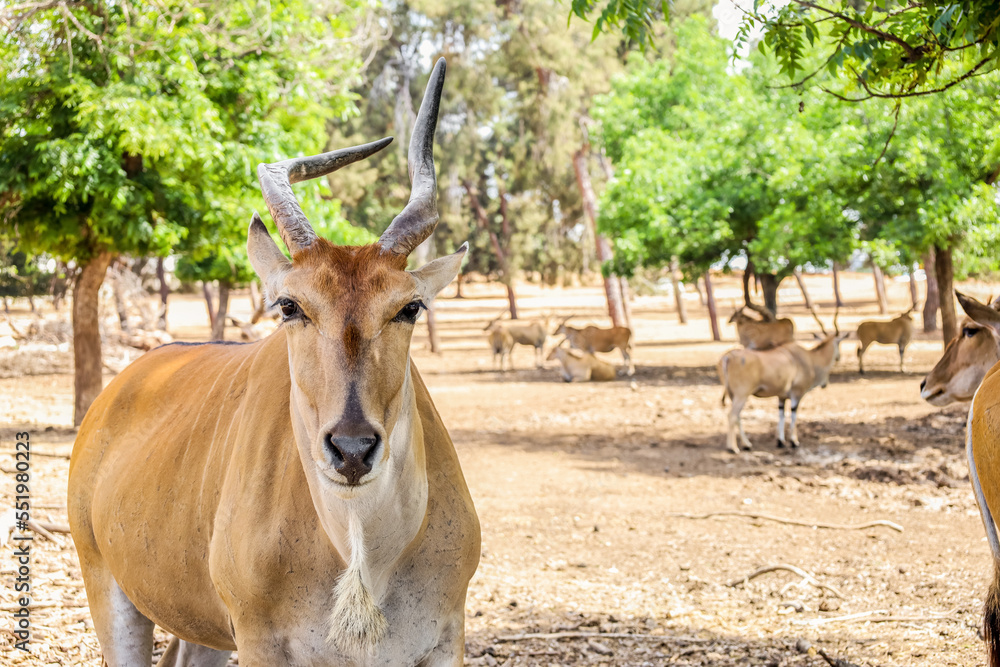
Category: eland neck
[370,527]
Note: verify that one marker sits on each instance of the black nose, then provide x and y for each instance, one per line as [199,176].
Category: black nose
[353,455]
[923,383]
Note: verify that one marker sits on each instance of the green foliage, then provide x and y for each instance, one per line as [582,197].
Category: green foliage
[714,164]
[21,274]
[136,127]
[880,48]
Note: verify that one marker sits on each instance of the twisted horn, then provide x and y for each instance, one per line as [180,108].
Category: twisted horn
[416,222]
[276,181]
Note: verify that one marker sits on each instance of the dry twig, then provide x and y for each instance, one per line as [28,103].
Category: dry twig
[792,522]
[598,635]
[806,577]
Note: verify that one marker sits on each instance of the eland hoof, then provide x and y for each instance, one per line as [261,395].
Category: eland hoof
[781,444]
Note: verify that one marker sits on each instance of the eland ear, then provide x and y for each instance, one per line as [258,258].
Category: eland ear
[980,313]
[438,274]
[267,260]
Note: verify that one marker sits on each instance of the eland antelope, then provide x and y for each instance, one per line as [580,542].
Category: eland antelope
[501,342]
[763,334]
[968,356]
[897,331]
[297,498]
[581,366]
[983,433]
[787,372]
[593,339]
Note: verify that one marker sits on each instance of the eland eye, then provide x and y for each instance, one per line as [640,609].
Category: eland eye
[969,332]
[409,312]
[288,308]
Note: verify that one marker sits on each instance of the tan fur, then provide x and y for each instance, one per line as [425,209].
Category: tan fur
[897,331]
[984,474]
[529,333]
[967,357]
[786,372]
[201,496]
[501,342]
[579,366]
[757,334]
[593,339]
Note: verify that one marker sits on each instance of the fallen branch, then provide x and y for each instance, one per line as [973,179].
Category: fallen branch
[599,635]
[869,617]
[34,525]
[835,662]
[37,453]
[792,522]
[806,577]
[51,527]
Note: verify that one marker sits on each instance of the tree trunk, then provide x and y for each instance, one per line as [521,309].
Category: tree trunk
[802,288]
[161,275]
[713,317]
[933,297]
[914,299]
[748,274]
[675,279]
[838,301]
[6,306]
[458,286]
[883,302]
[432,332]
[626,306]
[511,300]
[258,302]
[483,222]
[701,294]
[120,305]
[769,287]
[612,289]
[946,293]
[31,303]
[88,376]
[219,323]
[207,292]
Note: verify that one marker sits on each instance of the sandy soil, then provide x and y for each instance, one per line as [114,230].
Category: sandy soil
[578,486]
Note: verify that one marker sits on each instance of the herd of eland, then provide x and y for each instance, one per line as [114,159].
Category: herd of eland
[298,498]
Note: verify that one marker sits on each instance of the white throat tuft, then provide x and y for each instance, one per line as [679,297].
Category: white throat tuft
[357,623]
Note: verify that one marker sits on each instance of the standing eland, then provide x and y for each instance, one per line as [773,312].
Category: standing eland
[298,498]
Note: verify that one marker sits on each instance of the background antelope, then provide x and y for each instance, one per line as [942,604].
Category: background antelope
[762,334]
[297,498]
[967,357]
[580,366]
[532,333]
[501,342]
[787,372]
[593,339]
[897,331]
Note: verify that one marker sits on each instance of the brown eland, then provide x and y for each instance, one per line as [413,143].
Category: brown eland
[787,372]
[593,339]
[297,499]
[967,357]
[898,331]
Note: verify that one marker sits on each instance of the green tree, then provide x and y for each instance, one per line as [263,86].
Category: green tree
[130,127]
[882,49]
[714,164]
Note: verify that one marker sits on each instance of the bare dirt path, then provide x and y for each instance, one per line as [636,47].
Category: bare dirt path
[576,485]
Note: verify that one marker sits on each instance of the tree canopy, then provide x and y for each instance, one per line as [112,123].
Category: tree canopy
[881,48]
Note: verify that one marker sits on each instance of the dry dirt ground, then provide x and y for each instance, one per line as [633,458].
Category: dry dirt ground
[578,487]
